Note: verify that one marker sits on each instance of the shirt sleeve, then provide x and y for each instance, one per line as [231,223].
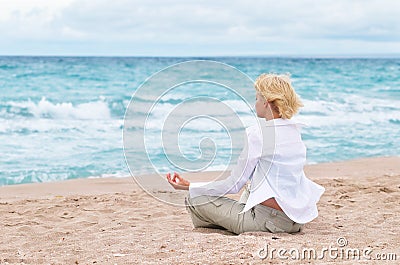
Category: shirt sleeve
[242,172]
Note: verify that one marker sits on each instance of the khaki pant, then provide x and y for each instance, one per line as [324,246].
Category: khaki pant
[223,213]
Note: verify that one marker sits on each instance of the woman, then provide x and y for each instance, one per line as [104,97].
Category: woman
[280,198]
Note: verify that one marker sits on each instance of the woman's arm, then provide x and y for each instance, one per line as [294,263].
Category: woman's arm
[240,174]
[243,170]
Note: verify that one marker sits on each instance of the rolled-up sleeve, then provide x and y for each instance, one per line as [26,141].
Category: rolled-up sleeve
[240,174]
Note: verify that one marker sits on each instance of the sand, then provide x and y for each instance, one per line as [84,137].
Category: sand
[113,221]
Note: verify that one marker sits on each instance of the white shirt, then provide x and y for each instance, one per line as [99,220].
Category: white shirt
[273,159]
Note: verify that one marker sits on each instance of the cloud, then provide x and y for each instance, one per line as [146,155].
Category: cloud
[213,26]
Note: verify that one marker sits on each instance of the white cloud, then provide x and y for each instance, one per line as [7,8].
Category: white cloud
[213,27]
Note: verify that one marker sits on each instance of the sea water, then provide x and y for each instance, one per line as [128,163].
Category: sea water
[63,117]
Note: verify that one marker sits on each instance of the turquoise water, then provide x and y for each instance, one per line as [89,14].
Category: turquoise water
[62,117]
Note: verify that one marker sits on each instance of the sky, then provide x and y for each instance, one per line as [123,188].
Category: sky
[199,27]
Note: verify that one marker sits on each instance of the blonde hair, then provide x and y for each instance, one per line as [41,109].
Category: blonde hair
[278,91]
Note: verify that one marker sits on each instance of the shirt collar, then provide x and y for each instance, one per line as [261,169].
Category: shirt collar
[283,122]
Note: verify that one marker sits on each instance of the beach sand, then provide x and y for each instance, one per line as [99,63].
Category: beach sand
[113,221]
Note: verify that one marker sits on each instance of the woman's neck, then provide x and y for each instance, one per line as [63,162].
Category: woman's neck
[272,116]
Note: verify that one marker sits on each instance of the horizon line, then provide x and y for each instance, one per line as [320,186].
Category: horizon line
[322,56]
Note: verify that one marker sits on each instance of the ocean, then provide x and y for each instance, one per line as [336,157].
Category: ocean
[63,117]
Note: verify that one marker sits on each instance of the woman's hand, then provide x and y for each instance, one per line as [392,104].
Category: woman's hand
[178,182]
